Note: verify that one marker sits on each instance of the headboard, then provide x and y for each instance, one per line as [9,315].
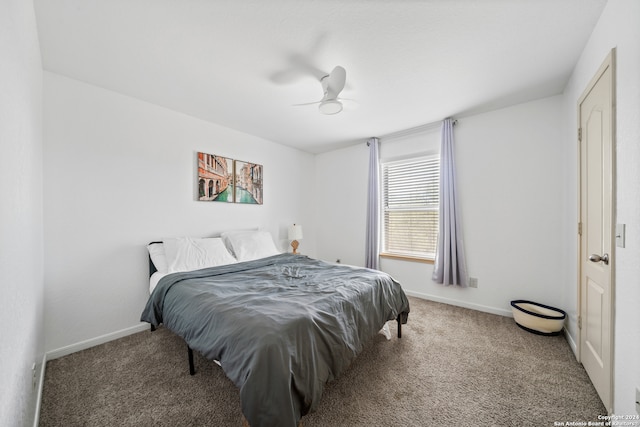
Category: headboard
[152,267]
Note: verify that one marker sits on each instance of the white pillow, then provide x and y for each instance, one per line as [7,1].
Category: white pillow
[250,245]
[187,253]
[158,257]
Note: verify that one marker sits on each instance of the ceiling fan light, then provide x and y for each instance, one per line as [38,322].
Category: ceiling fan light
[330,106]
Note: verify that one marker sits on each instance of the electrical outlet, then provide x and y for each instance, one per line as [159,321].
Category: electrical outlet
[473,282]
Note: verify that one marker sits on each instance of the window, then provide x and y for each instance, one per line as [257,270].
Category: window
[410,198]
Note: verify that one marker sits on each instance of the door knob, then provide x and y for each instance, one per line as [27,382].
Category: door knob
[597,258]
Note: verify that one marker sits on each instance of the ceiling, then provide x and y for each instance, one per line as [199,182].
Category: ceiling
[243,64]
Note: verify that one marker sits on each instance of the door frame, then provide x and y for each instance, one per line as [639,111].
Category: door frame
[609,62]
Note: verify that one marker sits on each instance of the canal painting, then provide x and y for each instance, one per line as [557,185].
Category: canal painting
[248,183]
[215,178]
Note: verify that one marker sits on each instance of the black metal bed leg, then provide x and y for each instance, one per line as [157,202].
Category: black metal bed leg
[153,328]
[399,325]
[192,370]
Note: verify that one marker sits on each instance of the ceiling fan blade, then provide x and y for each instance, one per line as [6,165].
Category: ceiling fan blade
[300,66]
[307,103]
[335,82]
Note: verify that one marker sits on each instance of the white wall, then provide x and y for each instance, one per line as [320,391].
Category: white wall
[617,28]
[341,204]
[121,173]
[509,176]
[21,287]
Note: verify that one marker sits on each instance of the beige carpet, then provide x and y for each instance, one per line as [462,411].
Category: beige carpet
[453,367]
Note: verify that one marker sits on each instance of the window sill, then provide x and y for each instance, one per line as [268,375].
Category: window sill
[407,258]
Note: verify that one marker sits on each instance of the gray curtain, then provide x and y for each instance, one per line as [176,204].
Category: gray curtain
[373,206]
[449,267]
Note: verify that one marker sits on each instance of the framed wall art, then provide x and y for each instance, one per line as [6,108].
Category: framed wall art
[215,178]
[248,182]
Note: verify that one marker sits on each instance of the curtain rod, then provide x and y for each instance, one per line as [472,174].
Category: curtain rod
[413,130]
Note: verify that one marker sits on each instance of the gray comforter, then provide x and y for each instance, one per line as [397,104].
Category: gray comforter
[281,326]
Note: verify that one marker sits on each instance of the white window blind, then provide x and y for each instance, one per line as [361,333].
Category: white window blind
[410,198]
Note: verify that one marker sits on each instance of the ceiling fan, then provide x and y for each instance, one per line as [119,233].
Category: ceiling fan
[332,85]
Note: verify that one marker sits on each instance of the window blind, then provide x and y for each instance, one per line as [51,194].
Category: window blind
[410,198]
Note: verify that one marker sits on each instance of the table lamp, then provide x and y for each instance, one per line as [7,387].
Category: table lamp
[295,234]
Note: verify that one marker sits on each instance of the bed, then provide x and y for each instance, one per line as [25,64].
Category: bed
[280,325]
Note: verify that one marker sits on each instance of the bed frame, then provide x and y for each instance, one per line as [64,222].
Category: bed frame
[192,371]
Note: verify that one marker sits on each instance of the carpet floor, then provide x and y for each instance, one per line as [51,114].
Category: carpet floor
[452,366]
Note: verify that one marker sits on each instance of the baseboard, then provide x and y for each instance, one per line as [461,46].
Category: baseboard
[477,307]
[570,340]
[83,345]
[36,418]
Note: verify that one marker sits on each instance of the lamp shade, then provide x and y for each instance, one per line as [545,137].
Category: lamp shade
[295,232]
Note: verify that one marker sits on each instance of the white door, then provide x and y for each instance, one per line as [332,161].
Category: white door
[596,115]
